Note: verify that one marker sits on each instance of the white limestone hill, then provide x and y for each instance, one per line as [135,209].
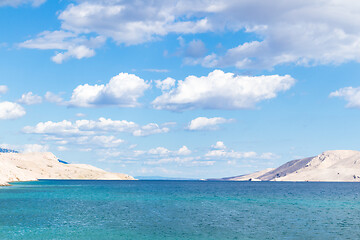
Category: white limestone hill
[33,166]
[330,166]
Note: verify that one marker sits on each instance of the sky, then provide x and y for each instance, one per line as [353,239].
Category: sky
[192,89]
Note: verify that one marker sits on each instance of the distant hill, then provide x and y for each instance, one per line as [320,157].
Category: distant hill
[330,166]
[5,150]
[33,166]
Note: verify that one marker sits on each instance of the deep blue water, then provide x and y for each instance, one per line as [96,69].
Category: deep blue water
[179,210]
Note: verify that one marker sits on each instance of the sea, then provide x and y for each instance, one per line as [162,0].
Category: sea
[75,209]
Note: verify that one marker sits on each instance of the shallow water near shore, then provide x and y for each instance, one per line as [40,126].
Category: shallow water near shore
[71,209]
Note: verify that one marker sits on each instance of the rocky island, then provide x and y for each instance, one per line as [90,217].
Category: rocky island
[330,166]
[16,166]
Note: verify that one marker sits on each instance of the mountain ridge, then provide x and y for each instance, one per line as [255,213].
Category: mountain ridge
[329,166]
[33,166]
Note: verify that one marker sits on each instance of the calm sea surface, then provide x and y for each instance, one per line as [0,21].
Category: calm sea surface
[179,210]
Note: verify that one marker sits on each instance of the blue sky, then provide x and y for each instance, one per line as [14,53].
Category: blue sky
[179,88]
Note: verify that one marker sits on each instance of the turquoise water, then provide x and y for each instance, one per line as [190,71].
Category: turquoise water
[179,210]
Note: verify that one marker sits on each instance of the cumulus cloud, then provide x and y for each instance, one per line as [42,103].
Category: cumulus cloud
[350,94]
[203,123]
[69,44]
[165,84]
[130,22]
[162,155]
[96,133]
[3,89]
[122,90]
[16,3]
[304,33]
[159,151]
[218,145]
[10,110]
[90,127]
[150,129]
[154,156]
[30,99]
[219,150]
[184,150]
[300,32]
[221,90]
[126,22]
[62,128]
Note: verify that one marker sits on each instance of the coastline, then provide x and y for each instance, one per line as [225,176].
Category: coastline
[15,167]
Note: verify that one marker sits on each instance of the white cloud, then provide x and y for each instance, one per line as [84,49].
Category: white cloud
[3,89]
[90,127]
[85,149]
[238,155]
[80,115]
[219,150]
[184,150]
[77,52]
[268,155]
[122,90]
[62,128]
[166,84]
[230,154]
[300,32]
[203,123]
[103,141]
[30,99]
[129,22]
[350,94]
[109,125]
[62,148]
[150,129]
[16,3]
[10,110]
[132,146]
[218,145]
[125,22]
[35,148]
[221,90]
[53,98]
[159,151]
[71,44]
